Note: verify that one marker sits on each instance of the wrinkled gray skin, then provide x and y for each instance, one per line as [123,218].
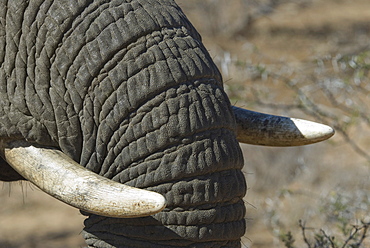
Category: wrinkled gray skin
[127,89]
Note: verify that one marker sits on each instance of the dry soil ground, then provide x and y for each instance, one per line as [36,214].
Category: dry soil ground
[318,183]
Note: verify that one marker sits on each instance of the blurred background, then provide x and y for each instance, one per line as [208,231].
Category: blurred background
[300,58]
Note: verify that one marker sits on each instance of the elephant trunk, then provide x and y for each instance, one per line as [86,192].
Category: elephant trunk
[181,143]
[154,116]
[194,166]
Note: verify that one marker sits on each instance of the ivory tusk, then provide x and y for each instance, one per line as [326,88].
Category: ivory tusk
[61,177]
[270,130]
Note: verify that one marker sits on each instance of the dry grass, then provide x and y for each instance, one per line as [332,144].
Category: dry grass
[301,49]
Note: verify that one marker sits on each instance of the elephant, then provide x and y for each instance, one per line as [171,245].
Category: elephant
[116,108]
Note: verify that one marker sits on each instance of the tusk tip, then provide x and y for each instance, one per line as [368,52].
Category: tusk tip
[129,202]
[157,202]
[271,130]
[312,131]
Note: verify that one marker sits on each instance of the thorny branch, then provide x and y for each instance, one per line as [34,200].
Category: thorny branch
[303,228]
[322,240]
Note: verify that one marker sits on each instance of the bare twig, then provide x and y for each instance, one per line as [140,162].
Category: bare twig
[303,228]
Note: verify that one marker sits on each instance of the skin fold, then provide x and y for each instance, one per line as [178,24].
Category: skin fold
[127,90]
